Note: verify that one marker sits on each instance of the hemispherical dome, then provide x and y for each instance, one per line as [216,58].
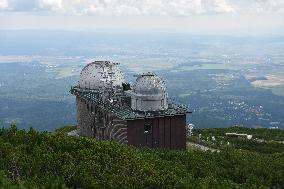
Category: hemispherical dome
[149,84]
[100,74]
[149,93]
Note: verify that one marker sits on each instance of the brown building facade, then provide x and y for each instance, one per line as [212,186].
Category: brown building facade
[161,131]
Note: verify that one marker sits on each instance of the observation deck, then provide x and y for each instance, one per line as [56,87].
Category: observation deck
[123,111]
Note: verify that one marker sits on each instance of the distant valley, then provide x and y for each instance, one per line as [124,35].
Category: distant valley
[221,82]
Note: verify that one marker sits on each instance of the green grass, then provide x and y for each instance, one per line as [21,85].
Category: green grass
[207,67]
[64,130]
[266,141]
[65,72]
[279,90]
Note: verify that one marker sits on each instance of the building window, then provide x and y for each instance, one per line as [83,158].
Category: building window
[100,117]
[147,128]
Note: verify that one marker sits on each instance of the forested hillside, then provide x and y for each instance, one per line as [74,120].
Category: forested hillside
[31,159]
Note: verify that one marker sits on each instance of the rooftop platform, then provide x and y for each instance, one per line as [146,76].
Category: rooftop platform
[125,112]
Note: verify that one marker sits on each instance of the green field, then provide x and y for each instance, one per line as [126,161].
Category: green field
[207,67]
[279,90]
[266,141]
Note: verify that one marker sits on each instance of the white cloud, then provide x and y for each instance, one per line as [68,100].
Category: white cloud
[258,6]
[53,5]
[224,6]
[143,7]
[272,5]
[3,4]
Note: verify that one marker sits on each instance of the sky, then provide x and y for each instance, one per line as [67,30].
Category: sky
[229,17]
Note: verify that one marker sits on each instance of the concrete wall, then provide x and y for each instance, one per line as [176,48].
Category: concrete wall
[85,121]
[148,102]
[93,122]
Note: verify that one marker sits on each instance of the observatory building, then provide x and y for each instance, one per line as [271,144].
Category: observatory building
[109,108]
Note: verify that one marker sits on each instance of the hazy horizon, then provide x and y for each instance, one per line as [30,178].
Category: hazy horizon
[212,17]
[220,57]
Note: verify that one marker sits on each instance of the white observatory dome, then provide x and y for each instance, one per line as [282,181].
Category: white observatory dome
[149,84]
[149,93]
[100,74]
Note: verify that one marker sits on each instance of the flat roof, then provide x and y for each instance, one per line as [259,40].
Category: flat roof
[125,112]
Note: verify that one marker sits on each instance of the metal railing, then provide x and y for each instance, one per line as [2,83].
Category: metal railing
[122,111]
